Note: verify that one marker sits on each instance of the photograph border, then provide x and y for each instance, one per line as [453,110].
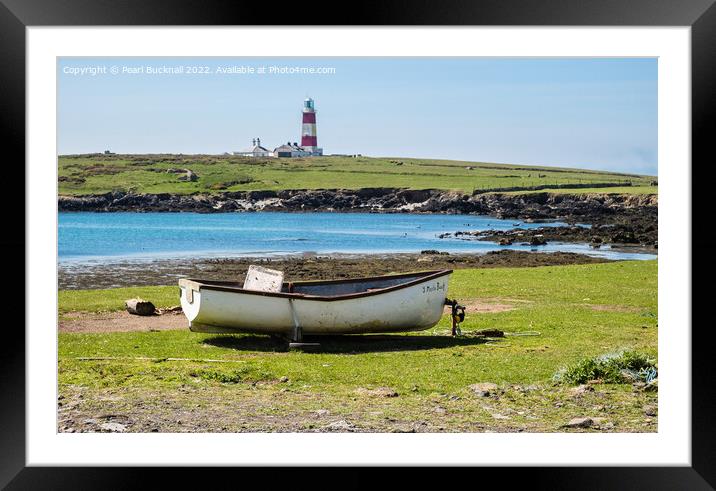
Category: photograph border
[16,15]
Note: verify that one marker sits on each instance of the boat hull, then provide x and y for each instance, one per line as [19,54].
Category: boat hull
[414,307]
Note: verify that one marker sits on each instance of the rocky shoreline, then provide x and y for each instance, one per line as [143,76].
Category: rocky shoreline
[304,267]
[640,233]
[589,208]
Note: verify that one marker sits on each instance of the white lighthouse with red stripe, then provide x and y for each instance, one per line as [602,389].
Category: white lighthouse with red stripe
[309,138]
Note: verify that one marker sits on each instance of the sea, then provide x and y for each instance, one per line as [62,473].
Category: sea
[96,237]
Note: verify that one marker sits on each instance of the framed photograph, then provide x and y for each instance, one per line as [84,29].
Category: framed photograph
[454,238]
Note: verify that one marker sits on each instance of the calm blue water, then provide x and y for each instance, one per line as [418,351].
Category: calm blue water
[107,236]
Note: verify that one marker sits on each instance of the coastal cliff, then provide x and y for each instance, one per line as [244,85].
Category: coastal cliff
[590,208]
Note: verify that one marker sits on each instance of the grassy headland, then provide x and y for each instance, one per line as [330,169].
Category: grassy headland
[148,174]
[554,317]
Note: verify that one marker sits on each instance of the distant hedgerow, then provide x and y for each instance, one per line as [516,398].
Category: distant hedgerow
[613,368]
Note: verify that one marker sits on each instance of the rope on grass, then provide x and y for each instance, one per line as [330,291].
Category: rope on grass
[524,333]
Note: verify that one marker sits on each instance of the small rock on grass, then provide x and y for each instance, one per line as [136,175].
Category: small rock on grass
[580,423]
[581,389]
[323,412]
[341,425]
[113,427]
[484,389]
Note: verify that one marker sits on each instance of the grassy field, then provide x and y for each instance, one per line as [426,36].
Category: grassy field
[553,317]
[113,300]
[148,174]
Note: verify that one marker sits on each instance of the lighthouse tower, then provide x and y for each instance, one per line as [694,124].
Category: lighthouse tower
[309,139]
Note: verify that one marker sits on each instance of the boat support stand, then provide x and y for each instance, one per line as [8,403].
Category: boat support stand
[296,339]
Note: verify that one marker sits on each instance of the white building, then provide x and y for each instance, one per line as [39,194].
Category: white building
[291,150]
[256,150]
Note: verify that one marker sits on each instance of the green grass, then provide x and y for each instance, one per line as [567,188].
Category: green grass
[113,299]
[561,315]
[147,174]
[636,189]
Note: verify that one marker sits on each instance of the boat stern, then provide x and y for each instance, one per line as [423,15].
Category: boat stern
[190,298]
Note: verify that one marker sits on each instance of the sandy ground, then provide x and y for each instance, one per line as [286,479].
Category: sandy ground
[84,322]
[121,322]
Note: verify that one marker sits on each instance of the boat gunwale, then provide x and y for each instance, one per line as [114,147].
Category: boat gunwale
[428,275]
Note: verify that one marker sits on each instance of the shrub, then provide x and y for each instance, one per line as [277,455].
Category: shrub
[612,368]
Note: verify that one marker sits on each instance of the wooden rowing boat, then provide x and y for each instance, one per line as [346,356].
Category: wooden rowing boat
[394,303]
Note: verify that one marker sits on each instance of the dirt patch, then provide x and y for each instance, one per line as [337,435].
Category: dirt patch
[490,305]
[82,322]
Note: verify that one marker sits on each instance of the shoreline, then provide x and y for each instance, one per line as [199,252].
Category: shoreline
[594,208]
[634,217]
[304,267]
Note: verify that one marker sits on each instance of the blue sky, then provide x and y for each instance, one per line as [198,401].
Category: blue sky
[587,113]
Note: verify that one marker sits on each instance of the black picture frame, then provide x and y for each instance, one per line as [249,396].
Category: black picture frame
[16,15]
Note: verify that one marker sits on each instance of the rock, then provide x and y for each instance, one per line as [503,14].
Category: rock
[650,410]
[379,392]
[505,241]
[580,423]
[137,306]
[113,427]
[484,389]
[283,379]
[581,389]
[537,241]
[434,252]
[189,176]
[341,425]
[499,416]
[323,412]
